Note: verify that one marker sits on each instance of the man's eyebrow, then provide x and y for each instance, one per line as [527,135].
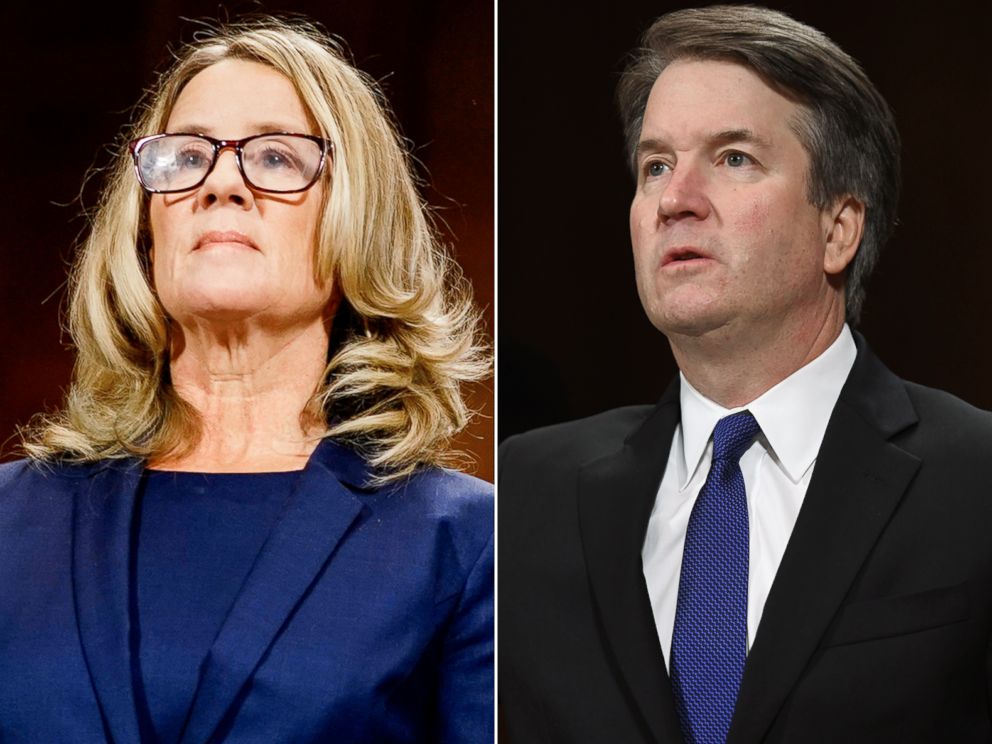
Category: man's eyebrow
[717,139]
[651,144]
[730,136]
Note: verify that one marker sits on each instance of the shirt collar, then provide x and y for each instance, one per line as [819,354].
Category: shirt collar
[793,415]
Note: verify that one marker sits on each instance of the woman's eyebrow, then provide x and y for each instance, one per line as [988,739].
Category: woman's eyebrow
[257,128]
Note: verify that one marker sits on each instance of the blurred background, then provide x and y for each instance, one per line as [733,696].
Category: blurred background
[573,339]
[69,78]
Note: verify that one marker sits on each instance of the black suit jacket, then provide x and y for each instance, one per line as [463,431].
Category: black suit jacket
[877,626]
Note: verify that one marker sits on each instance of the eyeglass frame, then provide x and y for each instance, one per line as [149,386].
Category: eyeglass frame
[219,145]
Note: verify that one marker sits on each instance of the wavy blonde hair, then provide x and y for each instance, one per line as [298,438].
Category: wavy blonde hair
[404,337]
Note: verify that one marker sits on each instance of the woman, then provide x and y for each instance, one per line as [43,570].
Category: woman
[238,529]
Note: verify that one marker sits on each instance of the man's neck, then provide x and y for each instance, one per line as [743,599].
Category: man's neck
[733,370]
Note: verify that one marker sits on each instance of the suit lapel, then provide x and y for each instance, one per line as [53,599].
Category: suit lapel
[615,496]
[319,513]
[858,481]
[103,515]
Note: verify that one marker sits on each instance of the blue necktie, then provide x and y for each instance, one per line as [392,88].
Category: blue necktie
[709,641]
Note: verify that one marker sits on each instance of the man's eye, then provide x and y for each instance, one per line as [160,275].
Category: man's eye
[655,168]
[737,159]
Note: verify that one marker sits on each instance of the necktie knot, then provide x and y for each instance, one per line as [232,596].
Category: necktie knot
[733,435]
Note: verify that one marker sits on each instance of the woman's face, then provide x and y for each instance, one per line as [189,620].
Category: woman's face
[223,252]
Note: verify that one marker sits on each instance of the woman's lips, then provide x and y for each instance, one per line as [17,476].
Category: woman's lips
[224,238]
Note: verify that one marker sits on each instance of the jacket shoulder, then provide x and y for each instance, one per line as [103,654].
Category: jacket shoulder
[947,423]
[19,476]
[442,521]
[452,495]
[441,502]
[12,472]
[934,404]
[569,445]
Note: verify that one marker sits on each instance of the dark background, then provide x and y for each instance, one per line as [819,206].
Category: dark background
[573,339]
[72,72]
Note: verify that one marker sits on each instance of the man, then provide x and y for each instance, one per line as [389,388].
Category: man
[793,545]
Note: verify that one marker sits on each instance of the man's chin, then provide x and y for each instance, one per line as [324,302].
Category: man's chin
[690,322]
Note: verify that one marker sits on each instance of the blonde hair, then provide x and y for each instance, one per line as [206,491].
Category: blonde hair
[405,335]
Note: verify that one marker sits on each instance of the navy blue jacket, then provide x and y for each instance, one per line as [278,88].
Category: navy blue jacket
[367,616]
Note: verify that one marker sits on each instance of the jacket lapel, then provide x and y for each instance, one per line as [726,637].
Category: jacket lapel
[615,497]
[319,513]
[103,515]
[858,481]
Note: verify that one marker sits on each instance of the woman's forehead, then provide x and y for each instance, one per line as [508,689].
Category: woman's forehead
[245,96]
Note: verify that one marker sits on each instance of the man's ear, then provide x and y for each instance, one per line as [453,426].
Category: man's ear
[843,224]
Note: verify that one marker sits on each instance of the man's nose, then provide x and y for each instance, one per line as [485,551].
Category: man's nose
[685,193]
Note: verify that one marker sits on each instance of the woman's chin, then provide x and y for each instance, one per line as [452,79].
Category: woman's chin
[224,306]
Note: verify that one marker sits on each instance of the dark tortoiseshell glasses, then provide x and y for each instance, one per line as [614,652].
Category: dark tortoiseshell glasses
[278,162]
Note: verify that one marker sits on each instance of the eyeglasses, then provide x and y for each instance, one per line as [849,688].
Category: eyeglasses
[278,162]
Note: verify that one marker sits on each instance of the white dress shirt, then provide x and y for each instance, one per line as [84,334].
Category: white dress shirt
[777,469]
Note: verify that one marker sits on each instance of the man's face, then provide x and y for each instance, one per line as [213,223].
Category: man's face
[724,237]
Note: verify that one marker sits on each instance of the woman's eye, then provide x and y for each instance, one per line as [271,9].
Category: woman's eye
[276,159]
[191,159]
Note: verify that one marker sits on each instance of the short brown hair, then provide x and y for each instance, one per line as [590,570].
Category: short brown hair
[846,126]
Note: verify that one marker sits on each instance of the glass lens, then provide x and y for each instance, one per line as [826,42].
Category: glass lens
[174,162]
[282,162]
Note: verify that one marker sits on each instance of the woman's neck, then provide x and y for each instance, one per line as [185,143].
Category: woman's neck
[250,388]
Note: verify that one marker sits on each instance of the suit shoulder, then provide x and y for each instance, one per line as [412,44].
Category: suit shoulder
[945,418]
[571,443]
[20,475]
[452,515]
[938,406]
[445,486]
[31,490]
[12,472]
[457,501]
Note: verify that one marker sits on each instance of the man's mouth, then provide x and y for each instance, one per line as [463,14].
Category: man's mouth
[682,255]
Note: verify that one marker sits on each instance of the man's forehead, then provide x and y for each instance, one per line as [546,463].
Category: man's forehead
[715,101]
[710,75]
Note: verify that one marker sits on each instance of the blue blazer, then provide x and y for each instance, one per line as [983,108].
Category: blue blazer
[367,616]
